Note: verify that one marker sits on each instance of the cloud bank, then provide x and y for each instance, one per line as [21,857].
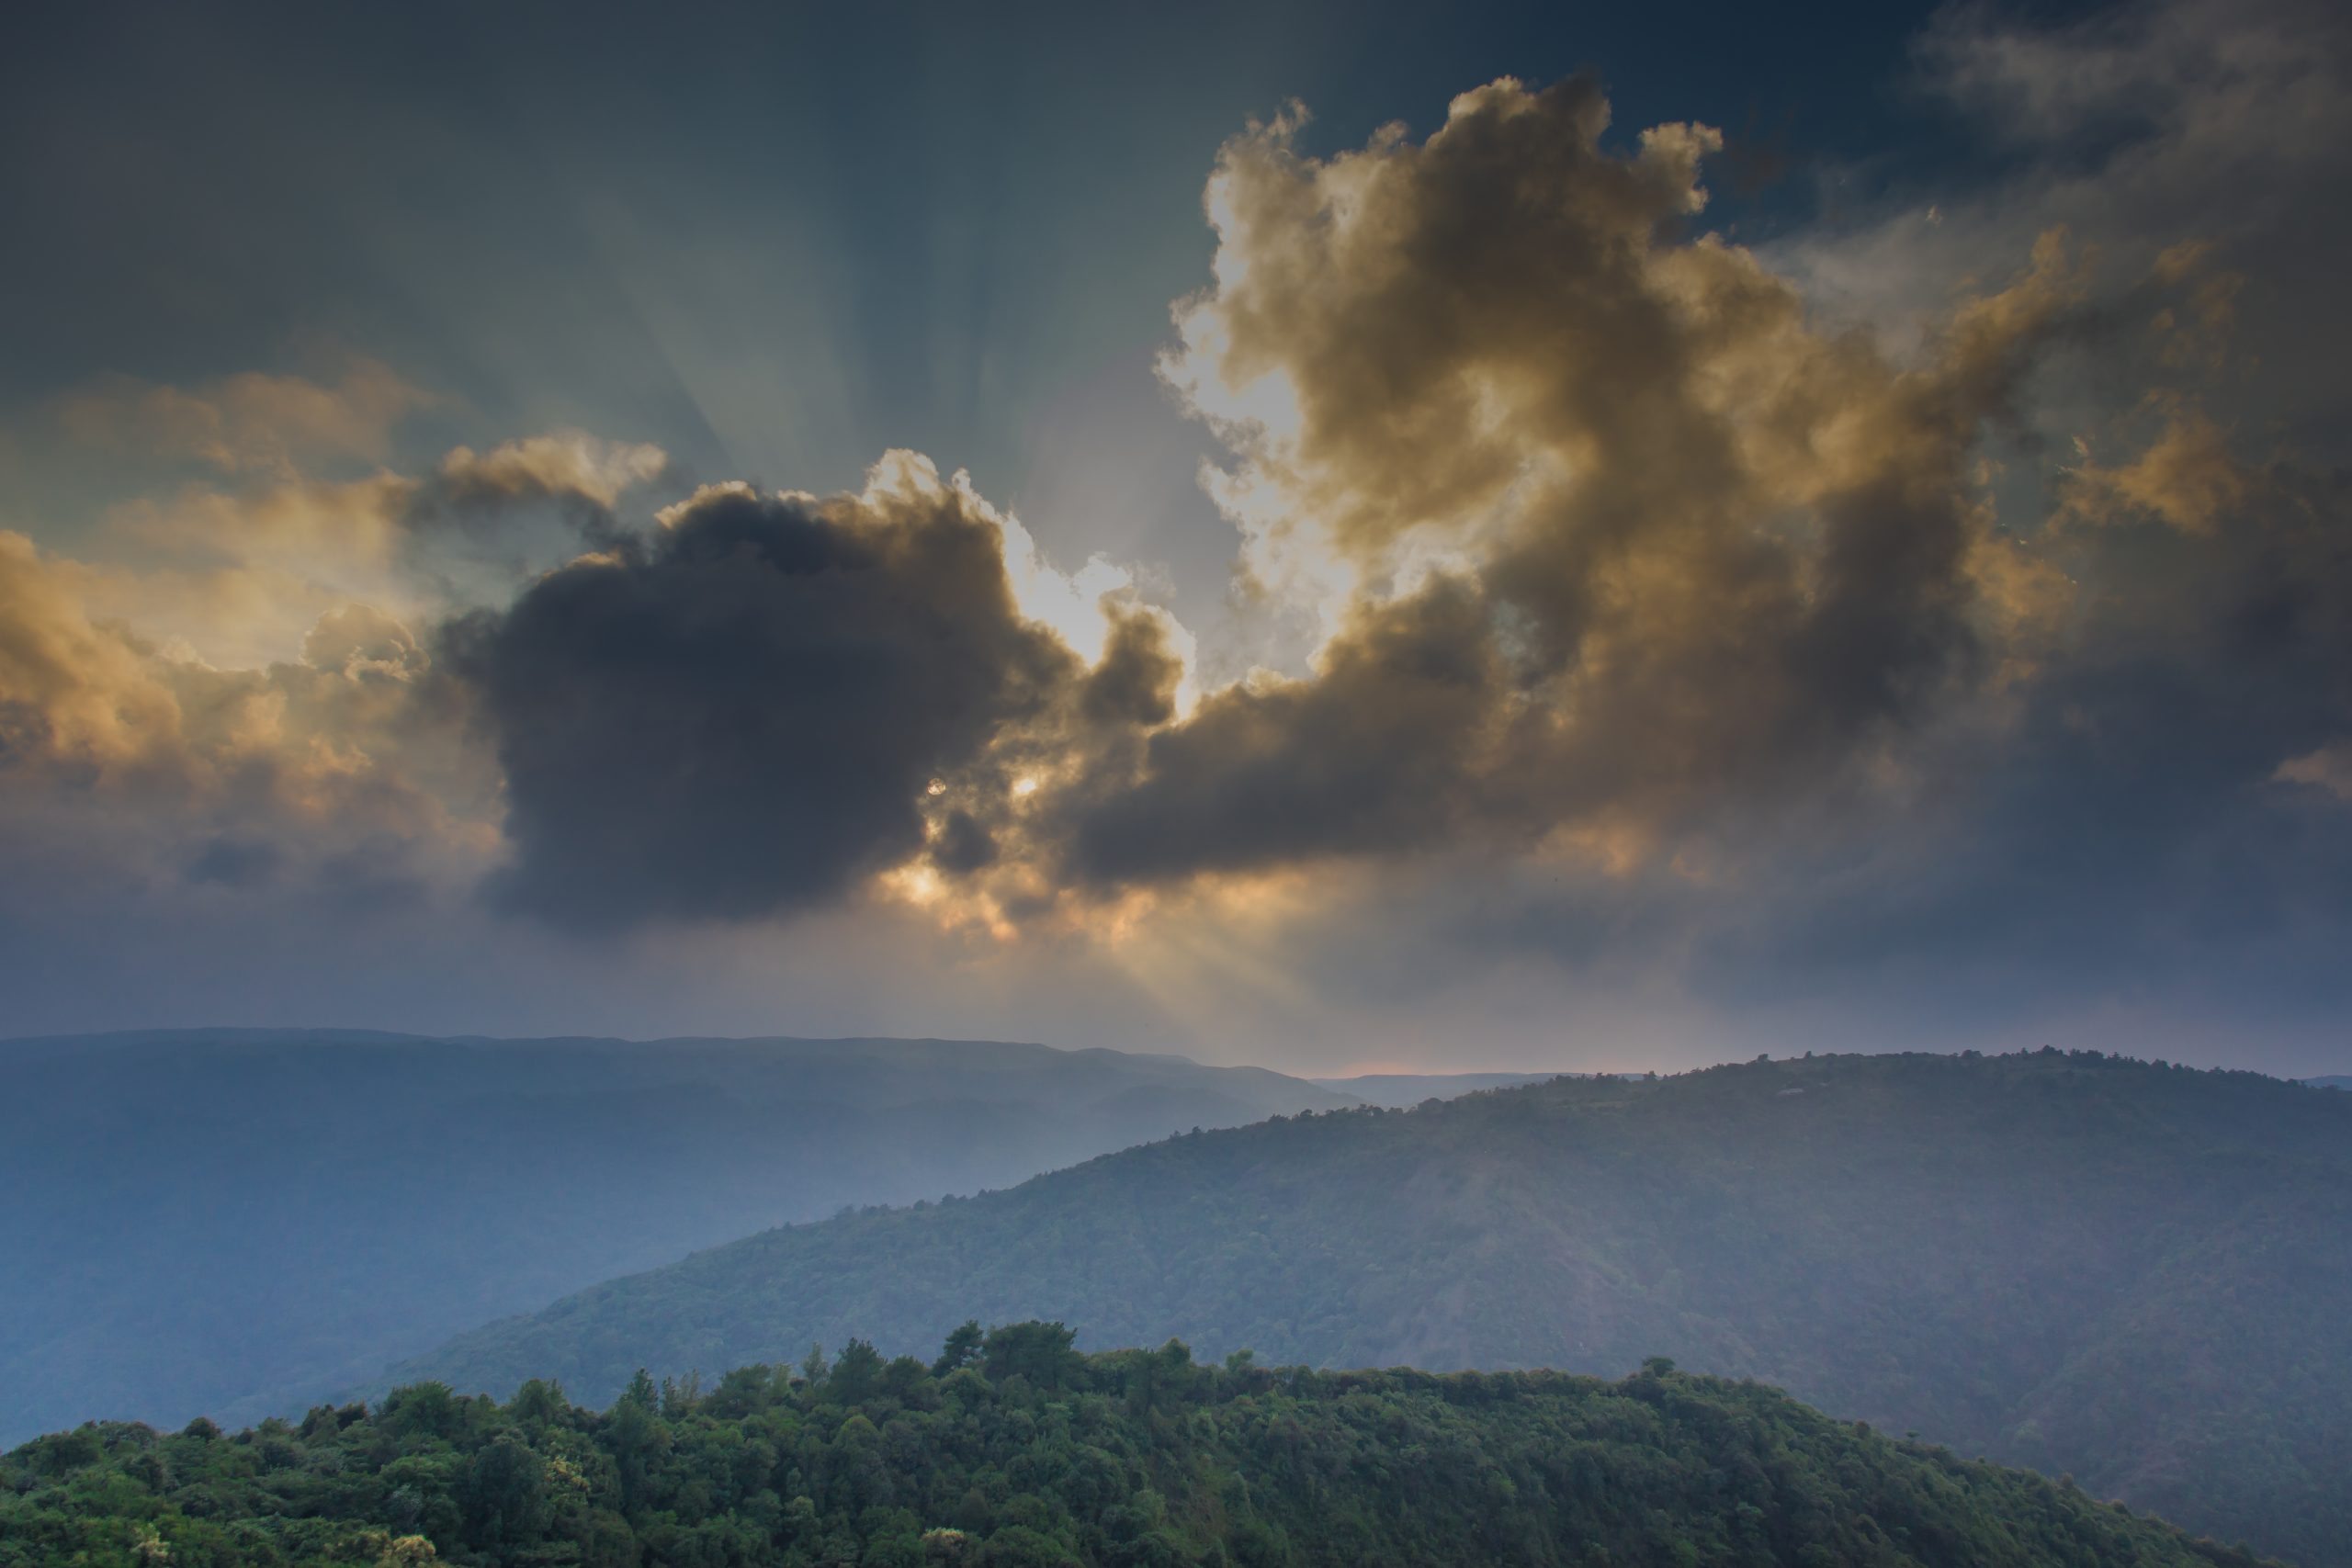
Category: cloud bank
[1773,620]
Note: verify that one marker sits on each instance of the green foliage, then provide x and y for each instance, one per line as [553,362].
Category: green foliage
[1033,1454]
[2135,1273]
[962,1348]
[1041,1352]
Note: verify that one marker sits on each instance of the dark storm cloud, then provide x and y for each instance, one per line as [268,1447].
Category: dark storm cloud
[1378,751]
[744,715]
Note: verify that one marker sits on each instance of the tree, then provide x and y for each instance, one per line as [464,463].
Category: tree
[505,1496]
[1040,1352]
[962,1348]
[857,1374]
[539,1400]
[641,1391]
[640,1439]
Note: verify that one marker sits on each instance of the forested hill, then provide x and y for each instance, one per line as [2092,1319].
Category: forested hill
[2135,1273]
[1011,1451]
[196,1218]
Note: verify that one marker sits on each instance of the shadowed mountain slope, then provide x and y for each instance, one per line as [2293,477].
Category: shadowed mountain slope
[236,1220]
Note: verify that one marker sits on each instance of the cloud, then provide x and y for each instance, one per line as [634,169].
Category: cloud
[237,574]
[119,762]
[2188,477]
[1603,533]
[743,714]
[2193,141]
[361,642]
[582,475]
[1611,543]
[250,420]
[1692,627]
[1943,617]
[1615,551]
[1384,749]
[2328,768]
[235,577]
[72,696]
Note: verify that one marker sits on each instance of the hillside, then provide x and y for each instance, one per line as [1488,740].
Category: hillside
[2135,1273]
[235,1221]
[1012,1450]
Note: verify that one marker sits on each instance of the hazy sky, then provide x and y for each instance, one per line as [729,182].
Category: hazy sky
[1452,537]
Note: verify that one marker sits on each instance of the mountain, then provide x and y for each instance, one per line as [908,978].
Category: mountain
[241,1221]
[2134,1273]
[1401,1090]
[1013,1450]
[2338,1080]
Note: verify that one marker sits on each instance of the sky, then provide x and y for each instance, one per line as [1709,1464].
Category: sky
[1344,538]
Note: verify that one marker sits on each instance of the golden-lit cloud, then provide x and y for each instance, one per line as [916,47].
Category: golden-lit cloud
[72,696]
[236,575]
[98,722]
[566,463]
[237,684]
[1601,528]
[2188,478]
[235,578]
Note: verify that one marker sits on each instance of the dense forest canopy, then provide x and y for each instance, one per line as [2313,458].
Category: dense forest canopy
[2133,1272]
[322,1202]
[1012,1450]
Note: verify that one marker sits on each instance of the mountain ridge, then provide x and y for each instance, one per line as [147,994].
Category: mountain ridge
[2014,1255]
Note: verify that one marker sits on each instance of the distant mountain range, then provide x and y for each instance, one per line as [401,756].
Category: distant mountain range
[2338,1080]
[2133,1273]
[230,1220]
